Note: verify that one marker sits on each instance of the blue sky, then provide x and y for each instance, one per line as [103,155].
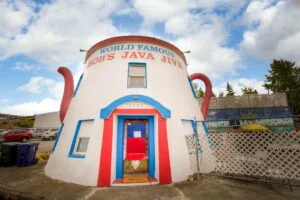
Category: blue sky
[230,41]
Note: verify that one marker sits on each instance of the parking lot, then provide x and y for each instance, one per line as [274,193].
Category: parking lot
[44,146]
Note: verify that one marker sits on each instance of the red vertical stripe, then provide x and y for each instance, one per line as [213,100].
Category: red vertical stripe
[104,175]
[105,159]
[163,150]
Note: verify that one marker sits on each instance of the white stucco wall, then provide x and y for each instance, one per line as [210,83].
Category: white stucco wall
[103,83]
[47,120]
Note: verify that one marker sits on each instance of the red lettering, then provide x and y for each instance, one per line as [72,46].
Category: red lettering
[169,61]
[90,63]
[101,58]
[142,54]
[174,61]
[110,56]
[133,55]
[95,60]
[125,55]
[150,56]
[163,59]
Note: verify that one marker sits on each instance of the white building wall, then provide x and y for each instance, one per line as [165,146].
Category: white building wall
[105,82]
[47,120]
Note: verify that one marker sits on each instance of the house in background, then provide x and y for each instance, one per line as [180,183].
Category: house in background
[229,113]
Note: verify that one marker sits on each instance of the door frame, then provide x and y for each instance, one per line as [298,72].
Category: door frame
[120,144]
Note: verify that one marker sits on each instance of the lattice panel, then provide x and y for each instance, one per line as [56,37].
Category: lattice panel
[272,154]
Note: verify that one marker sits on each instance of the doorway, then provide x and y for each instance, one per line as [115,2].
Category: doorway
[135,147]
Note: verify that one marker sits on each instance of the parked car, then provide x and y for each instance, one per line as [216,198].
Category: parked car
[3,132]
[49,135]
[17,135]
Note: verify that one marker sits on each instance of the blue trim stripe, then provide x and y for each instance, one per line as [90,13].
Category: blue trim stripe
[120,150]
[71,152]
[192,88]
[139,65]
[105,112]
[77,86]
[151,148]
[120,146]
[57,137]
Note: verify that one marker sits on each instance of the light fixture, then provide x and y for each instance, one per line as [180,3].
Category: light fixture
[82,50]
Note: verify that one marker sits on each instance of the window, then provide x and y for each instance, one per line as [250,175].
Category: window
[137,75]
[234,123]
[82,144]
[81,138]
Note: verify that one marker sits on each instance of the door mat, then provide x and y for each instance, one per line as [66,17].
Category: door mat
[135,179]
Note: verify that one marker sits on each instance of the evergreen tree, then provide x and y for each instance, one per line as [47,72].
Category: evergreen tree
[284,76]
[249,90]
[229,89]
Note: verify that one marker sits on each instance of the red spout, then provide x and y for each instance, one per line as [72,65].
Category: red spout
[208,91]
[68,91]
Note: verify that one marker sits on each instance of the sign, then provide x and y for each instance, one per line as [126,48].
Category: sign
[135,51]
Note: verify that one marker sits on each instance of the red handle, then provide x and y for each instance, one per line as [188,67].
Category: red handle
[208,91]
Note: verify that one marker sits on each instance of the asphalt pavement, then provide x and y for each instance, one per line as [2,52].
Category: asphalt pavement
[31,183]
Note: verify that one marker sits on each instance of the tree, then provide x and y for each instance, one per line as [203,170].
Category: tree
[199,92]
[249,90]
[26,123]
[229,89]
[284,76]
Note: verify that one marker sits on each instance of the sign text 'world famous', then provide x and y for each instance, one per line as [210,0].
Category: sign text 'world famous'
[135,51]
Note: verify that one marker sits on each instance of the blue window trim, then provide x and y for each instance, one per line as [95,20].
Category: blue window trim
[77,86]
[192,88]
[120,146]
[137,63]
[71,152]
[105,112]
[57,137]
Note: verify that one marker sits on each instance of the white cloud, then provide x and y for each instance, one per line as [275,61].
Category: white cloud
[163,10]
[160,10]
[238,84]
[14,16]
[4,100]
[276,33]
[60,29]
[39,84]
[23,66]
[33,107]
[205,35]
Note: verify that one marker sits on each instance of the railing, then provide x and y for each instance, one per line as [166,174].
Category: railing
[273,155]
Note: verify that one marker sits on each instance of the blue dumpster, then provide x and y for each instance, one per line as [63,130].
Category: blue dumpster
[26,154]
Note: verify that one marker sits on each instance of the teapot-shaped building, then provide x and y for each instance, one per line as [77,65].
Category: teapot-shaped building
[123,122]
